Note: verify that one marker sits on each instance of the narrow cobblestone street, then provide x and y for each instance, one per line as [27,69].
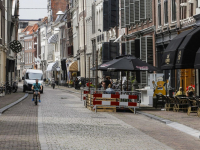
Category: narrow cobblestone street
[64,123]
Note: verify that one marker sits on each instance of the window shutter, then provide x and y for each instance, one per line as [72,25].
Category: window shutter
[142,9]
[117,13]
[143,52]
[132,12]
[150,50]
[114,13]
[127,48]
[105,55]
[93,18]
[143,56]
[149,9]
[143,77]
[137,11]
[132,48]
[114,52]
[105,16]
[123,48]
[127,13]
[123,13]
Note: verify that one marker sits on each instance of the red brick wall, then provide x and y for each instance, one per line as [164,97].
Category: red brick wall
[57,5]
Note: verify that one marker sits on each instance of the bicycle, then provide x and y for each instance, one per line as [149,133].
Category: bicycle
[35,96]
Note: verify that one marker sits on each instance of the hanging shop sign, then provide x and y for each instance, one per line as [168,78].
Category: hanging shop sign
[15,46]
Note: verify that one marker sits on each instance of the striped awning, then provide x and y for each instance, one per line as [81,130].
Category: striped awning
[53,66]
[73,67]
[53,39]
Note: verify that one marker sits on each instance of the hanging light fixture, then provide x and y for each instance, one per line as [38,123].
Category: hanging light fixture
[56,29]
[59,13]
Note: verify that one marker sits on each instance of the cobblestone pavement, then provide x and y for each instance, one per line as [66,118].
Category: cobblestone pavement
[19,127]
[8,99]
[180,117]
[160,131]
[64,123]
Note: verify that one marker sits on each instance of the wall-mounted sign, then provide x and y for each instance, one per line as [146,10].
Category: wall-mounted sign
[15,46]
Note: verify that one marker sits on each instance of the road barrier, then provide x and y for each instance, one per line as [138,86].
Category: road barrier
[99,98]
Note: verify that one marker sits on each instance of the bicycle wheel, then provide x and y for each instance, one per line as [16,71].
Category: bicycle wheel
[36,100]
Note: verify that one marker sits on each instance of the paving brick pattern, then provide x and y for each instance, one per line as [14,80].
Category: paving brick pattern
[181,117]
[160,131]
[19,127]
[10,98]
[67,124]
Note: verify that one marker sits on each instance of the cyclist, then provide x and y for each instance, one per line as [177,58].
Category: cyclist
[36,87]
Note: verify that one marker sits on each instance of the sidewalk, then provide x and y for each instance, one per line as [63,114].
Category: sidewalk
[179,117]
[8,99]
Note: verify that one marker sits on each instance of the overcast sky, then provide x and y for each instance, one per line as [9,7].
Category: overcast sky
[32,13]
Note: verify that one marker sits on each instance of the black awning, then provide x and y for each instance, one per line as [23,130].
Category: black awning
[197,60]
[169,55]
[187,51]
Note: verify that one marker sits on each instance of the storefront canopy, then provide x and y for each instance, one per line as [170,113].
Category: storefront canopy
[197,60]
[186,54]
[170,53]
[52,66]
[53,39]
[73,67]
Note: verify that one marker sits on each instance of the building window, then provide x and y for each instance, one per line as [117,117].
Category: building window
[166,11]
[191,9]
[29,57]
[25,58]
[183,14]
[159,13]
[173,10]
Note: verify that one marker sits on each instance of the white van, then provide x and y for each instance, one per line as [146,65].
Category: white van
[29,78]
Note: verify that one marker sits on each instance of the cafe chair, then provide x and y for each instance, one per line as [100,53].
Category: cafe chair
[181,103]
[160,100]
[169,102]
[192,106]
[198,106]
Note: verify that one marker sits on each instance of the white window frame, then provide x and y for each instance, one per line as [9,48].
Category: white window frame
[165,12]
[159,3]
[172,12]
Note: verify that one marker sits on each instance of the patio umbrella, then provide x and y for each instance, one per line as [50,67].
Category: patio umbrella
[126,63]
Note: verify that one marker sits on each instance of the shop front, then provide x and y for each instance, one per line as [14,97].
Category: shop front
[179,57]
[72,72]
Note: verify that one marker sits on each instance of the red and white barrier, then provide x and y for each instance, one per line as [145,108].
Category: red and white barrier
[110,103]
[115,96]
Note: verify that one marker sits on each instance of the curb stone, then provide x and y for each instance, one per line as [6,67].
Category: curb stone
[12,104]
[175,125]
